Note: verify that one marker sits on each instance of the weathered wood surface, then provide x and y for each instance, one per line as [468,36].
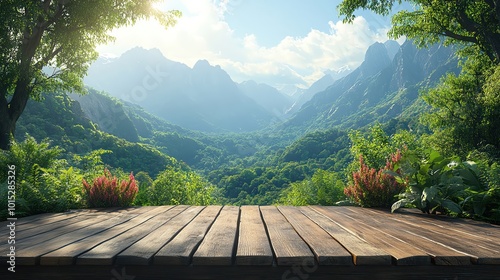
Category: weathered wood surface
[253,243]
[320,242]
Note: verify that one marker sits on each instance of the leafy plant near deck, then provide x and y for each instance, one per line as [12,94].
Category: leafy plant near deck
[323,188]
[177,186]
[372,188]
[107,191]
[43,182]
[437,183]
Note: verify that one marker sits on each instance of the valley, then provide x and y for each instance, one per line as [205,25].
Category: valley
[248,139]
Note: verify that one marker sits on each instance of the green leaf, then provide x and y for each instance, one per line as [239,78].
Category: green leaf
[398,204]
[429,194]
[435,156]
[451,206]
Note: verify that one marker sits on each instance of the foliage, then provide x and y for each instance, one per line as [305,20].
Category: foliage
[437,183]
[60,36]
[372,188]
[107,191]
[485,202]
[376,144]
[466,112]
[323,188]
[175,186]
[473,24]
[44,183]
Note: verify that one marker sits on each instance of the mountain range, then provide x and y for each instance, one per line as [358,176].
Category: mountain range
[385,86]
[205,98]
[201,98]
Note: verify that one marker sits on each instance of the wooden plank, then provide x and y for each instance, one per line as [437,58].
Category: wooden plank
[218,245]
[36,221]
[180,249]
[326,249]
[67,254]
[159,272]
[477,229]
[402,252]
[29,250]
[482,232]
[288,246]
[440,253]
[43,225]
[142,252]
[253,243]
[480,251]
[362,252]
[104,253]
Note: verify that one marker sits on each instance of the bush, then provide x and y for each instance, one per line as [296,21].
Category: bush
[44,183]
[175,186]
[107,192]
[372,188]
[324,188]
[437,183]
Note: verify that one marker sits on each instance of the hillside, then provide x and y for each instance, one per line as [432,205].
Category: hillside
[201,98]
[379,90]
[251,167]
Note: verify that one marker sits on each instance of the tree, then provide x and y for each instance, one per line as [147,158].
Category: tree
[465,108]
[474,24]
[47,45]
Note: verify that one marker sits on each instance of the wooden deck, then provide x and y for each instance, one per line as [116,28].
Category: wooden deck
[251,242]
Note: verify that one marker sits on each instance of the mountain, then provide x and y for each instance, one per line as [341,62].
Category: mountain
[267,96]
[320,85]
[201,98]
[380,89]
[108,114]
[294,92]
[66,124]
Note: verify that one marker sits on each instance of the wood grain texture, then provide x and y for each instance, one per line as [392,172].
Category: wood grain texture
[288,246]
[219,243]
[253,243]
[326,249]
[67,254]
[483,245]
[440,253]
[142,252]
[104,253]
[362,252]
[180,249]
[402,252]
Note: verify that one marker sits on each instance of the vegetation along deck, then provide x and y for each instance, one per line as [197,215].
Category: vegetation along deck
[250,242]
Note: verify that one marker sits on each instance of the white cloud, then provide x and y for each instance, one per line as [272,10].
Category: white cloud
[202,33]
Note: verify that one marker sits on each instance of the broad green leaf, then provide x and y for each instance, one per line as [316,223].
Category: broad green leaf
[451,206]
[398,204]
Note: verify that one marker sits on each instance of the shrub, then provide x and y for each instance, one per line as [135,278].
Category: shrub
[437,183]
[176,186]
[324,188]
[44,183]
[372,188]
[107,192]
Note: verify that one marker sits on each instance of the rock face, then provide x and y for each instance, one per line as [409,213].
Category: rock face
[108,114]
[202,98]
[378,90]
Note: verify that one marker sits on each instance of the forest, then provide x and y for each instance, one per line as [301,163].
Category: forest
[439,153]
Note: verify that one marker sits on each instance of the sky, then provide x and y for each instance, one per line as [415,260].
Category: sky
[278,42]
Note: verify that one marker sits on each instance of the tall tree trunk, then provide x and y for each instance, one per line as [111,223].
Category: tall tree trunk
[5,124]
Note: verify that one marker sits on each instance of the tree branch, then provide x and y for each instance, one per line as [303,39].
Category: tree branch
[459,37]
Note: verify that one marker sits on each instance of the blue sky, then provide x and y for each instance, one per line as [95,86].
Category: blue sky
[278,42]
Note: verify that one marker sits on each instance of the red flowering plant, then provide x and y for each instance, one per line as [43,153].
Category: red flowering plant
[372,188]
[106,191]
